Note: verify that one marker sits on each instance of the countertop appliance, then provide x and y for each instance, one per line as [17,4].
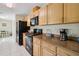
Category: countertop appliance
[63,34]
[34,21]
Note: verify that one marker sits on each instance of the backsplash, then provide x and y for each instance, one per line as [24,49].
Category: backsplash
[73,29]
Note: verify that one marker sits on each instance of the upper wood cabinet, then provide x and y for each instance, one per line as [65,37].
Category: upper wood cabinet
[43,16]
[71,12]
[55,13]
[25,18]
[30,15]
[28,20]
[36,13]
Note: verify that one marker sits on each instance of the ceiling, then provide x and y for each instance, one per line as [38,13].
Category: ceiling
[19,8]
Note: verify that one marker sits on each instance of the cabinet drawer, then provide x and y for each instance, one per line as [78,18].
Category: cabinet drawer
[48,46]
[66,52]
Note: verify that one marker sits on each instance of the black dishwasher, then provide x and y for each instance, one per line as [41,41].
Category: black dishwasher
[29,44]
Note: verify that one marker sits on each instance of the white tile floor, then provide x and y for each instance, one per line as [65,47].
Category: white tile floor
[9,48]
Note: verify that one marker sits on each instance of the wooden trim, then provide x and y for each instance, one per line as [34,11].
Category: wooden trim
[63,14]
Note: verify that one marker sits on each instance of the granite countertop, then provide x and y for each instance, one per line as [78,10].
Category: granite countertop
[69,44]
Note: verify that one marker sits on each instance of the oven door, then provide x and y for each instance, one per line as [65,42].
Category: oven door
[29,44]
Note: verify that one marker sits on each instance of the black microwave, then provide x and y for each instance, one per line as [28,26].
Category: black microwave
[34,21]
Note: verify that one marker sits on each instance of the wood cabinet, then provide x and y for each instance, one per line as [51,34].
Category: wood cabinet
[43,16]
[71,12]
[36,46]
[61,51]
[28,20]
[43,47]
[24,39]
[48,49]
[36,13]
[55,13]
[47,52]
[25,18]
[36,50]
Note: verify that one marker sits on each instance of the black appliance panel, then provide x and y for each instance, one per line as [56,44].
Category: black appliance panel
[34,21]
[29,44]
[20,28]
[37,31]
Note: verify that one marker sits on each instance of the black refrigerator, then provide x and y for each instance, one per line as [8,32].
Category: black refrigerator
[21,27]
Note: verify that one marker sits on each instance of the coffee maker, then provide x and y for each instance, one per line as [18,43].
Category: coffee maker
[63,35]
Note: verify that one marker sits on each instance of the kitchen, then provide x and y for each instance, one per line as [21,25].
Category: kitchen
[53,25]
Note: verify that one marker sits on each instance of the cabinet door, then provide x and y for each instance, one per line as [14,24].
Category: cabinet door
[66,52]
[36,13]
[28,20]
[36,50]
[24,39]
[71,12]
[43,16]
[47,49]
[25,18]
[36,46]
[46,52]
[55,13]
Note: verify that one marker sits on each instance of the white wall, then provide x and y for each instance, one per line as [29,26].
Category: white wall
[10,16]
[19,17]
[14,27]
[73,29]
[8,26]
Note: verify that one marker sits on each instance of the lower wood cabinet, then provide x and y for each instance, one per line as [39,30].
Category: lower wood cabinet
[36,46]
[66,52]
[45,48]
[36,50]
[24,39]
[47,52]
